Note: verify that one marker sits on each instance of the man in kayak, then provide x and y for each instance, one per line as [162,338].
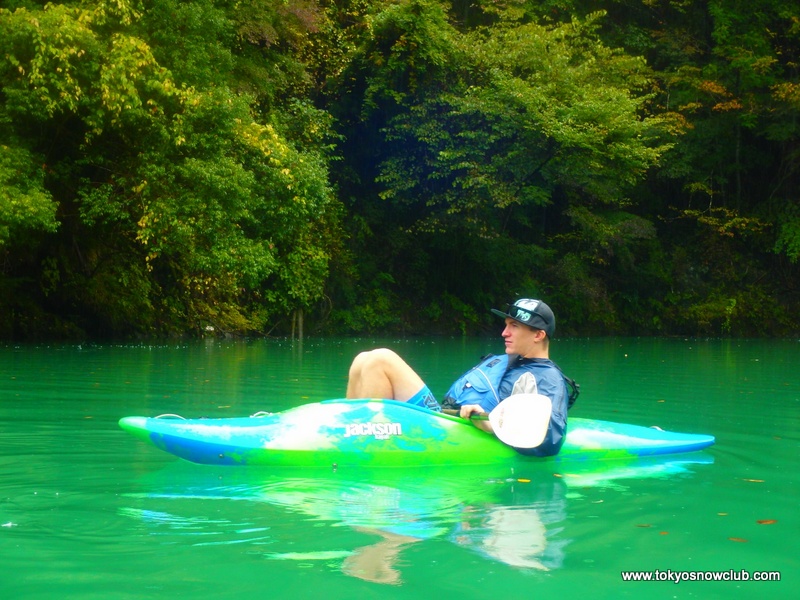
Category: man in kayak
[529,326]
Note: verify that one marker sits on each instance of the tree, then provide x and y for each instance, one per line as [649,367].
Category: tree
[502,136]
[180,207]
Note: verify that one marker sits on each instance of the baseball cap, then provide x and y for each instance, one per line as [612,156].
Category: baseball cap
[530,312]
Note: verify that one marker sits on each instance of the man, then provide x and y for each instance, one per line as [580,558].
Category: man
[529,326]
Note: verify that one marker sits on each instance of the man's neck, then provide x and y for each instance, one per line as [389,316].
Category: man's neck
[531,356]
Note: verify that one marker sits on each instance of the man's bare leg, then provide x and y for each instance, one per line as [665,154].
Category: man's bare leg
[382,373]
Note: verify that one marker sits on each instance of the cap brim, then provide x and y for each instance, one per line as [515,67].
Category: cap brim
[501,314]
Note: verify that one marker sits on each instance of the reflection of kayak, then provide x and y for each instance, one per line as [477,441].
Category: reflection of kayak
[413,501]
[388,508]
[382,433]
[509,514]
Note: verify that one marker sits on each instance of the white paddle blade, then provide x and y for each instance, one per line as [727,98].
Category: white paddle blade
[521,420]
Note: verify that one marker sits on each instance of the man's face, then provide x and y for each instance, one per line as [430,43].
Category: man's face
[520,339]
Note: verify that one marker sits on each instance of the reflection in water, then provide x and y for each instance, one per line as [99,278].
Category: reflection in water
[512,518]
[376,562]
[522,534]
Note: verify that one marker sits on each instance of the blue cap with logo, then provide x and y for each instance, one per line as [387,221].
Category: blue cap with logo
[530,312]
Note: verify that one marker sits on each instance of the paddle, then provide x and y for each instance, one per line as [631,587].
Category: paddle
[521,420]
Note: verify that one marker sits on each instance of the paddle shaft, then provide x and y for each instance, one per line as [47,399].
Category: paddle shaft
[456,413]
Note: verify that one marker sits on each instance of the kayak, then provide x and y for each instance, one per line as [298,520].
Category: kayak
[375,432]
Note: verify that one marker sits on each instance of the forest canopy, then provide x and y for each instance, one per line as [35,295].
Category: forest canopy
[207,167]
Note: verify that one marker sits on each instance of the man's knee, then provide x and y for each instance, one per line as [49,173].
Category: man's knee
[372,358]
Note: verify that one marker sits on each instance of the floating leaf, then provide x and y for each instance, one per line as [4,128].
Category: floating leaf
[766,521]
[524,480]
[663,532]
[722,514]
[643,525]
[737,539]
[754,480]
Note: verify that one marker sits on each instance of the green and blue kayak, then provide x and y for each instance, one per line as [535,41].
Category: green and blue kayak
[383,433]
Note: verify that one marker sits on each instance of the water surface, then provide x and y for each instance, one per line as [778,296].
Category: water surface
[88,511]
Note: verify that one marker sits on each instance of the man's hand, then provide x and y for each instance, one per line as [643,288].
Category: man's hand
[467,410]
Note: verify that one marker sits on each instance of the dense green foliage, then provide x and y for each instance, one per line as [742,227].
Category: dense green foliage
[398,166]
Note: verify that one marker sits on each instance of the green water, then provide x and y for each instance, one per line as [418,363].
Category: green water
[88,511]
